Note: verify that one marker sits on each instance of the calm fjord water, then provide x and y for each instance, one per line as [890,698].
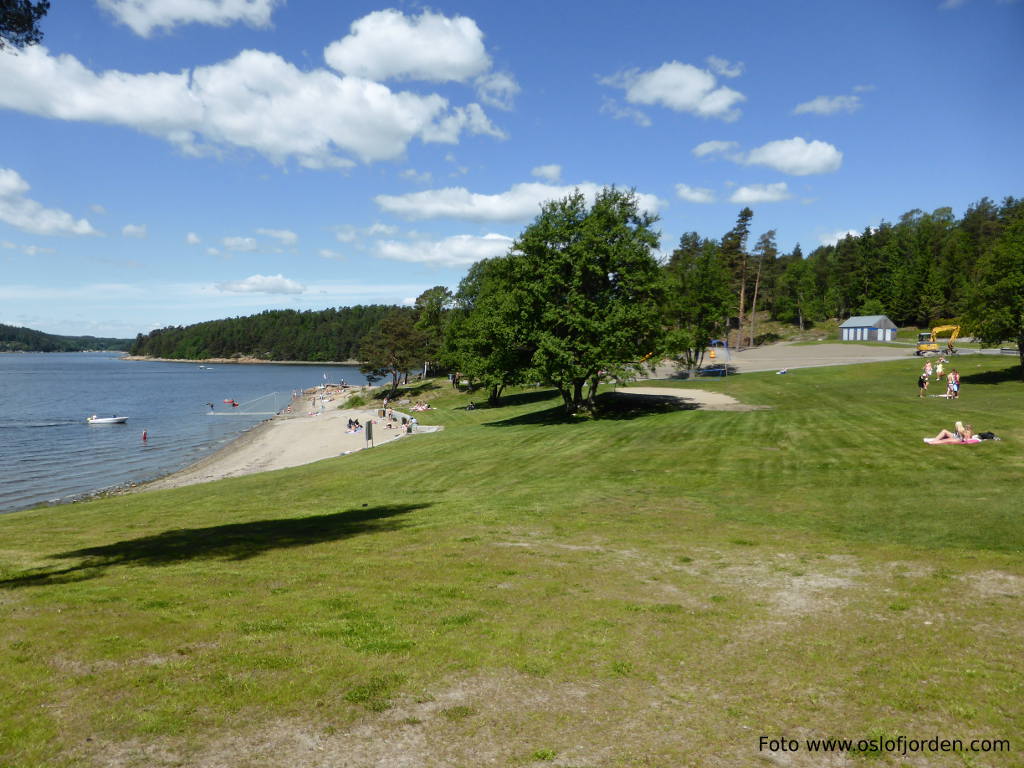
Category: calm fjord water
[48,453]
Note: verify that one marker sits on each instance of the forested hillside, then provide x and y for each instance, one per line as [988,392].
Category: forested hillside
[329,334]
[14,339]
[918,270]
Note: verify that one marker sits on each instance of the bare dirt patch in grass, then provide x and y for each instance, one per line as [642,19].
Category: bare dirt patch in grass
[997,584]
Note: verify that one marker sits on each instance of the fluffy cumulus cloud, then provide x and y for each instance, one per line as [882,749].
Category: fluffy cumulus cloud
[283,236]
[30,216]
[134,230]
[521,201]
[192,239]
[761,193]
[550,173]
[255,101]
[388,44]
[694,194]
[828,105]
[797,156]
[144,16]
[262,284]
[455,251]
[680,87]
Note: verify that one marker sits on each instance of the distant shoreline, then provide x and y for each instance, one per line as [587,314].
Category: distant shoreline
[237,361]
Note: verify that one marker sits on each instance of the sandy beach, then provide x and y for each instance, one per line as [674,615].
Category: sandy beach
[304,435]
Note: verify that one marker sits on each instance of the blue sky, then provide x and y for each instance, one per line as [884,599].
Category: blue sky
[164,162]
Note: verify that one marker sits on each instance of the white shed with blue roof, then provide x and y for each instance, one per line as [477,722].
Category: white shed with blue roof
[868,328]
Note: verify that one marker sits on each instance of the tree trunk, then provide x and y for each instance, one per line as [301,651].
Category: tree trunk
[753,307]
[567,399]
[577,394]
[494,394]
[592,391]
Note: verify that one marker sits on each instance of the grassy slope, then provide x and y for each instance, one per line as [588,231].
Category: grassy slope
[651,589]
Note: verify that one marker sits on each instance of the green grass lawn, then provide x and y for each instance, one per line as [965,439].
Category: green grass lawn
[653,588]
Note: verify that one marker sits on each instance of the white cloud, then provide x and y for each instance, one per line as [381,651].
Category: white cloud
[797,156]
[498,89]
[831,238]
[143,16]
[134,230]
[680,87]
[241,244]
[97,208]
[380,229]
[192,239]
[724,67]
[262,284]
[255,101]
[551,173]
[27,214]
[521,201]
[327,253]
[727,148]
[32,250]
[388,44]
[694,194]
[455,251]
[413,175]
[28,250]
[828,105]
[613,108]
[283,236]
[213,251]
[761,193]
[350,234]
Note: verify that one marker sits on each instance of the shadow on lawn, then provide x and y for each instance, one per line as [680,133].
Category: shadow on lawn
[610,406]
[234,541]
[993,377]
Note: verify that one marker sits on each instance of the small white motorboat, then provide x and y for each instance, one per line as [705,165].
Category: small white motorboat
[94,419]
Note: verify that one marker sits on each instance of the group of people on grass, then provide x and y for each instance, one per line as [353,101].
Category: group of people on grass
[952,379]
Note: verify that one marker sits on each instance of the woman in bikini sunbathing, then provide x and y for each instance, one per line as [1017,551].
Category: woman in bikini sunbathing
[962,434]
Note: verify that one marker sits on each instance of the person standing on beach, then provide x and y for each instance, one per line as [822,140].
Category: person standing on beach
[922,384]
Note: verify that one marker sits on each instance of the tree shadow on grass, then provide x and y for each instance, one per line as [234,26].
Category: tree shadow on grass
[522,398]
[234,541]
[608,406]
[1012,373]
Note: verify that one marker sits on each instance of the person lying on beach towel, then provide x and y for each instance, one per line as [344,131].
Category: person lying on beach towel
[962,435]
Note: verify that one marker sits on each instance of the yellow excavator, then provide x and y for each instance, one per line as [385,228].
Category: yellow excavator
[928,341]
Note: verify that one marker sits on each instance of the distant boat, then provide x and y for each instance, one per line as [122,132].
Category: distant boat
[94,419]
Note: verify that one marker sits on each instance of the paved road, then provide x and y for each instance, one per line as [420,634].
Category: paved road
[775,357]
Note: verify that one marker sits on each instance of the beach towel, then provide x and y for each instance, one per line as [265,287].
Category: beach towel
[972,441]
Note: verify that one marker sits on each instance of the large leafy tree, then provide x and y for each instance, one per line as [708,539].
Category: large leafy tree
[19,22]
[698,299]
[995,308]
[432,315]
[394,347]
[588,288]
[486,340]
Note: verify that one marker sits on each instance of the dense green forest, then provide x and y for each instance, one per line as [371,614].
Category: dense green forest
[284,334]
[13,339]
